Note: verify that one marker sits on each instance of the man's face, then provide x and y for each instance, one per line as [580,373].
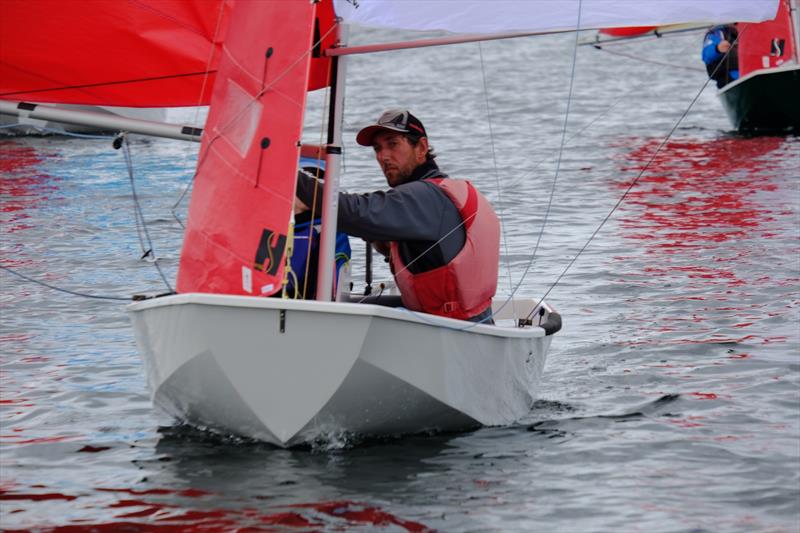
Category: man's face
[397,156]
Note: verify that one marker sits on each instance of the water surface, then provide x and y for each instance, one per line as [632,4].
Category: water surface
[670,400]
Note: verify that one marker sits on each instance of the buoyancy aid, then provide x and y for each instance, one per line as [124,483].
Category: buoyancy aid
[464,287]
[725,68]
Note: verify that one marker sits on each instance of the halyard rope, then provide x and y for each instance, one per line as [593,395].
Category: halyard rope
[139,215]
[496,172]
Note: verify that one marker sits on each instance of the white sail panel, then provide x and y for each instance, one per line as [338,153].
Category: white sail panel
[496,16]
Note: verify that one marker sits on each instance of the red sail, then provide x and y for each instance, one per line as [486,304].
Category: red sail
[235,240]
[767,44]
[135,53]
[145,53]
[631,31]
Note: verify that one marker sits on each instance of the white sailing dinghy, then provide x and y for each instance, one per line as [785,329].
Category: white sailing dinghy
[221,355]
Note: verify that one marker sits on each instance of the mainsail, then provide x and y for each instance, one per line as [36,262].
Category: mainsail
[144,53]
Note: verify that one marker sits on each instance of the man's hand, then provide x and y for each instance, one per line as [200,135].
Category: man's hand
[299,206]
[723,47]
[382,247]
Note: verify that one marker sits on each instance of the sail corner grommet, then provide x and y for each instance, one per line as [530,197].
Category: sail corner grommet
[265,143]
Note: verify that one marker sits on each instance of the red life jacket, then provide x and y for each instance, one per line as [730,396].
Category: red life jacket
[464,287]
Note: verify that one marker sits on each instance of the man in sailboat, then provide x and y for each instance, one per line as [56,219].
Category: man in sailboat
[720,54]
[440,235]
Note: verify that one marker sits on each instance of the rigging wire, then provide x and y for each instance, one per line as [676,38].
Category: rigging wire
[623,97]
[494,162]
[645,60]
[552,192]
[510,298]
[139,215]
[60,289]
[560,156]
[640,174]
[316,188]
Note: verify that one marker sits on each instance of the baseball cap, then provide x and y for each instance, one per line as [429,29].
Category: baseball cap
[399,120]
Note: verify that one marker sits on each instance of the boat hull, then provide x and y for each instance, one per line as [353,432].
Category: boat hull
[764,100]
[289,372]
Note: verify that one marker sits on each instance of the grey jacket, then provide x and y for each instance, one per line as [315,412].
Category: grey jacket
[416,215]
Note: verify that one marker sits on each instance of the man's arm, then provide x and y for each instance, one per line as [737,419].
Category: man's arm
[712,47]
[413,211]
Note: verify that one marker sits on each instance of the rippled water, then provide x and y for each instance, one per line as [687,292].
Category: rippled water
[671,398]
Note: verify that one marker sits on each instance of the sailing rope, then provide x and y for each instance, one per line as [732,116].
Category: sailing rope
[560,153]
[514,181]
[123,142]
[496,173]
[638,176]
[60,289]
[514,290]
[646,60]
[316,189]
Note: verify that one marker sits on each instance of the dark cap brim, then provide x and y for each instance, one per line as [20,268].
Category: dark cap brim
[366,135]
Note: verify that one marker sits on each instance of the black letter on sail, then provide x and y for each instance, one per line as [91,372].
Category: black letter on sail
[269,253]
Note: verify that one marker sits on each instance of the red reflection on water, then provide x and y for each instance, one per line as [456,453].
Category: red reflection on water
[704,395]
[698,192]
[363,514]
[172,516]
[22,185]
[35,497]
[19,439]
[699,216]
[189,493]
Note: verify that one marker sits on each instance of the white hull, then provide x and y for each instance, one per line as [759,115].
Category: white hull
[226,363]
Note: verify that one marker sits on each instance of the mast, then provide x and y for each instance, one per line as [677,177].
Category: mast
[333,161]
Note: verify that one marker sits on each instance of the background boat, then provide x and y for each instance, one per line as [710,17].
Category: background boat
[765,97]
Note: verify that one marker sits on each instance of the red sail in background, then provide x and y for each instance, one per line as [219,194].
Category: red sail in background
[766,44]
[243,193]
[135,53]
[631,31]
[143,53]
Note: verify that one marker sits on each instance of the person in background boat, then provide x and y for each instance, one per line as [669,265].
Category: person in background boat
[440,235]
[720,54]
